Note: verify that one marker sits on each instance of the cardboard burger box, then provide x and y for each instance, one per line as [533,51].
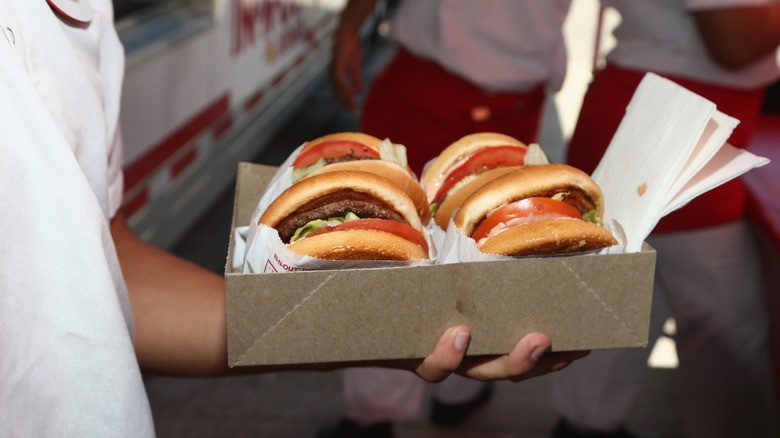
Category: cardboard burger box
[581,302]
[669,148]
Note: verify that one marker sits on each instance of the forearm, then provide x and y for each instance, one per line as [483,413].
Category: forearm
[353,16]
[178,308]
[737,37]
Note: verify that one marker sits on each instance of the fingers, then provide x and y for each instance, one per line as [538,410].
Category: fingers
[515,366]
[447,355]
[530,358]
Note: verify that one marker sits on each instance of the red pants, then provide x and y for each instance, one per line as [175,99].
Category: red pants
[603,109]
[417,103]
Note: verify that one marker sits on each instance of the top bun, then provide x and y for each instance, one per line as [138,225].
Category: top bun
[526,182]
[441,166]
[460,193]
[365,139]
[308,190]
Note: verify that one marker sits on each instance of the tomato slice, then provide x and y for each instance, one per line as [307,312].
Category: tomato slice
[333,148]
[537,208]
[488,158]
[400,229]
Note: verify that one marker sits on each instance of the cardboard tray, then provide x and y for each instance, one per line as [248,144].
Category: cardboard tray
[582,302]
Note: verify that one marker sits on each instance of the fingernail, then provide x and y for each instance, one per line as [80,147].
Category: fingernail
[461,340]
[538,353]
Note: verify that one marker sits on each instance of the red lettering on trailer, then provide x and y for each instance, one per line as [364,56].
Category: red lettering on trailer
[255,20]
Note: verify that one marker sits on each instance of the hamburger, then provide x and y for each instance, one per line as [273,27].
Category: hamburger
[348,215]
[536,210]
[466,158]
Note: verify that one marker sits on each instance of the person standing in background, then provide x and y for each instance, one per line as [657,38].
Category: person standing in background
[460,67]
[708,268]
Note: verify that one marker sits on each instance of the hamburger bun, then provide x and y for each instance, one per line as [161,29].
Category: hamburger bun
[359,245]
[554,236]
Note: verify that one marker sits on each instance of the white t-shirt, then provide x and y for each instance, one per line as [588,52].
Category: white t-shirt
[661,36]
[67,365]
[500,45]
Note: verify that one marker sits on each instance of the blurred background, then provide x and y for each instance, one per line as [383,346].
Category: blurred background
[210,83]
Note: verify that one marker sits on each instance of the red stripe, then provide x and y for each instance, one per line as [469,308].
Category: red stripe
[279,78]
[131,206]
[298,62]
[157,155]
[222,126]
[179,166]
[256,97]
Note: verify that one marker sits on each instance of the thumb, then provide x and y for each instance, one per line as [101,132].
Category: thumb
[447,355]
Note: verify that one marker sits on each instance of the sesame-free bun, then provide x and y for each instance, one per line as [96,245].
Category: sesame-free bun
[365,139]
[309,189]
[390,170]
[529,181]
[458,194]
[359,245]
[442,165]
[554,236]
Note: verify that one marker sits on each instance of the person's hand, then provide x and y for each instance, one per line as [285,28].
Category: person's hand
[346,76]
[529,358]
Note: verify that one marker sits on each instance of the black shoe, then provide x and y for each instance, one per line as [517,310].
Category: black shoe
[565,430]
[451,415]
[349,429]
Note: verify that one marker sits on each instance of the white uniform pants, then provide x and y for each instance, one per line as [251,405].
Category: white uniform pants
[711,280]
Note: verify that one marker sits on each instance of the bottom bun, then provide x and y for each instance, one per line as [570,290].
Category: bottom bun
[358,245]
[547,237]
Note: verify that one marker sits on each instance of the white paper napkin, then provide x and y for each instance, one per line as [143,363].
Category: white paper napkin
[669,148]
